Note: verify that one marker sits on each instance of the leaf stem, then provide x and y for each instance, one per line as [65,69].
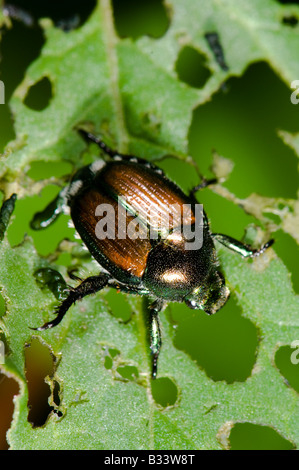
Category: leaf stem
[111,41]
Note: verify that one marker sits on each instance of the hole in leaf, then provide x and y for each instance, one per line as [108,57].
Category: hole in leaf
[225,216]
[128,372]
[134,18]
[290,21]
[39,95]
[109,354]
[8,388]
[288,250]
[114,352]
[177,170]
[30,42]
[7,126]
[224,344]
[40,170]
[2,306]
[47,240]
[120,370]
[64,14]
[164,391]
[119,305]
[191,67]
[40,364]
[274,217]
[108,363]
[248,436]
[64,259]
[242,125]
[287,361]
[282,205]
[18,38]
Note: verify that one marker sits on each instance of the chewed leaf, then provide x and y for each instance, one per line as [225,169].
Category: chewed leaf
[135,92]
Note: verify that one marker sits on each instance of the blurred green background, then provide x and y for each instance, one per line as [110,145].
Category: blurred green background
[240,123]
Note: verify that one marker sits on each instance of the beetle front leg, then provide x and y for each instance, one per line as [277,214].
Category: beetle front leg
[240,248]
[91,285]
[155,334]
[88,136]
[48,215]
[203,184]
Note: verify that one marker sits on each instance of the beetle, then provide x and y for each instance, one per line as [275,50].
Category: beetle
[163,259]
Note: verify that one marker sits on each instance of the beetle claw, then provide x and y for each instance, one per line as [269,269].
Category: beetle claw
[155,366]
[73,276]
[44,327]
[263,248]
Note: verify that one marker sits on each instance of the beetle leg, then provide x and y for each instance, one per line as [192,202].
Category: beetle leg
[127,289]
[73,276]
[48,215]
[240,248]
[5,213]
[88,136]
[20,14]
[203,184]
[155,334]
[91,285]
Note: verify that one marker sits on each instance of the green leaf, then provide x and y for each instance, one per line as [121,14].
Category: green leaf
[130,93]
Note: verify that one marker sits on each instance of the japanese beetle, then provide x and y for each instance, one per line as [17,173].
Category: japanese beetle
[159,260]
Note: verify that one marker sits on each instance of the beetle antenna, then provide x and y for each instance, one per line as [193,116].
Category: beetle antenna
[204,184]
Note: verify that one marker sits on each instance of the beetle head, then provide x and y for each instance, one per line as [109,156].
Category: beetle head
[210,296]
